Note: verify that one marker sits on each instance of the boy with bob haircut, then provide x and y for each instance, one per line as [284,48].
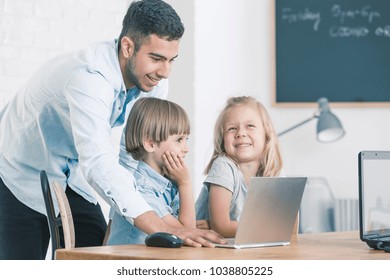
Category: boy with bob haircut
[156,136]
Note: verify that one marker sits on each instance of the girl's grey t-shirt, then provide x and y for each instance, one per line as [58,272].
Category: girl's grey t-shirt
[225,173]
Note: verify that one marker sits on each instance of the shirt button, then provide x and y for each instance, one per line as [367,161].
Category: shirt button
[108,193]
[124,210]
[119,108]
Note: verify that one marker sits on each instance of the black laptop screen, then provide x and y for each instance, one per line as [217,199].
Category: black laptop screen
[375,192]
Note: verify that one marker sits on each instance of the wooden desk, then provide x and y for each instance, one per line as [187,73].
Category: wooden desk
[315,246]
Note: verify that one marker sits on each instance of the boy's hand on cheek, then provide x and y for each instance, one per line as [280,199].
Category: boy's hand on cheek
[175,168]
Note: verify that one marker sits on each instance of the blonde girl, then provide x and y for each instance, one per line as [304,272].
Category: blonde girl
[245,145]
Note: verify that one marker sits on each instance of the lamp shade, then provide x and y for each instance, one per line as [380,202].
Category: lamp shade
[329,128]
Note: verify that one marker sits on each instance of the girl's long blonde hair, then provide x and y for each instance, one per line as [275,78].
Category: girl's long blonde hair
[271,162]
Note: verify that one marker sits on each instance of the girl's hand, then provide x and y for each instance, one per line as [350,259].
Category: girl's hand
[202,224]
[175,168]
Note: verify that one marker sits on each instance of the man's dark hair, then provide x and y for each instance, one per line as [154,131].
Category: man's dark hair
[147,17]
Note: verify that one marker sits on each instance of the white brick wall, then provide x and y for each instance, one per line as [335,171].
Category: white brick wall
[32,31]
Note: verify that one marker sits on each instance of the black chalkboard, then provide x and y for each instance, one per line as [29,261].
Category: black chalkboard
[334,49]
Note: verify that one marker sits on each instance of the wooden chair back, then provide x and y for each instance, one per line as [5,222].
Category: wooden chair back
[53,221]
[66,216]
[64,220]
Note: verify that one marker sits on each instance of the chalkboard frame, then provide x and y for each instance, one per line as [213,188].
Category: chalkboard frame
[286,102]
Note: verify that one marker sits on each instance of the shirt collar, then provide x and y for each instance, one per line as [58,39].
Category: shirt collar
[116,42]
[158,182]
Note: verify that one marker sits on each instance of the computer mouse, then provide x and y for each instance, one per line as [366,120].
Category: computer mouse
[163,239]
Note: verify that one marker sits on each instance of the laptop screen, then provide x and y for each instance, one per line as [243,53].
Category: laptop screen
[374,171]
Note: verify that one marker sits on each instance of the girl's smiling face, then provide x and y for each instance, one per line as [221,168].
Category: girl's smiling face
[244,134]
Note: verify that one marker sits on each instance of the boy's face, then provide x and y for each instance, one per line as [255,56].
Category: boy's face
[175,143]
[152,63]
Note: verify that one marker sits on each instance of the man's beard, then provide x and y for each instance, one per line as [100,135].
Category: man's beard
[130,73]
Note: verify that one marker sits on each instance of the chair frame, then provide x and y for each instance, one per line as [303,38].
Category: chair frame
[63,220]
[66,216]
[53,221]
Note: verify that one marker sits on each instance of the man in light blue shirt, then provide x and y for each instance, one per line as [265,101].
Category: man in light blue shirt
[61,122]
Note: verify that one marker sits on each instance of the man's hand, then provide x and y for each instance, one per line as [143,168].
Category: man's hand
[199,237]
[149,222]
[202,224]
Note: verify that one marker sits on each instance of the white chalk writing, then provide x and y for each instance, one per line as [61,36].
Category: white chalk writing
[343,15]
[346,31]
[383,31]
[302,16]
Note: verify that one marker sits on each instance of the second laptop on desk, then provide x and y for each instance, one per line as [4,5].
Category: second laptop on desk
[269,212]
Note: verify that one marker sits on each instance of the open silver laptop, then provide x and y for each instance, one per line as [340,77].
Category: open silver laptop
[374,198]
[269,212]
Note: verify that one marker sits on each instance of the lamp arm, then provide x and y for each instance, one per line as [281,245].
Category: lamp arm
[297,125]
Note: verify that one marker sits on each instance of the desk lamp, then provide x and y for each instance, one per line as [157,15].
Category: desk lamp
[329,128]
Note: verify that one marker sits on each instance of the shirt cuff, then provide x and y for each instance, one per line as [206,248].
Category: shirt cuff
[139,208]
